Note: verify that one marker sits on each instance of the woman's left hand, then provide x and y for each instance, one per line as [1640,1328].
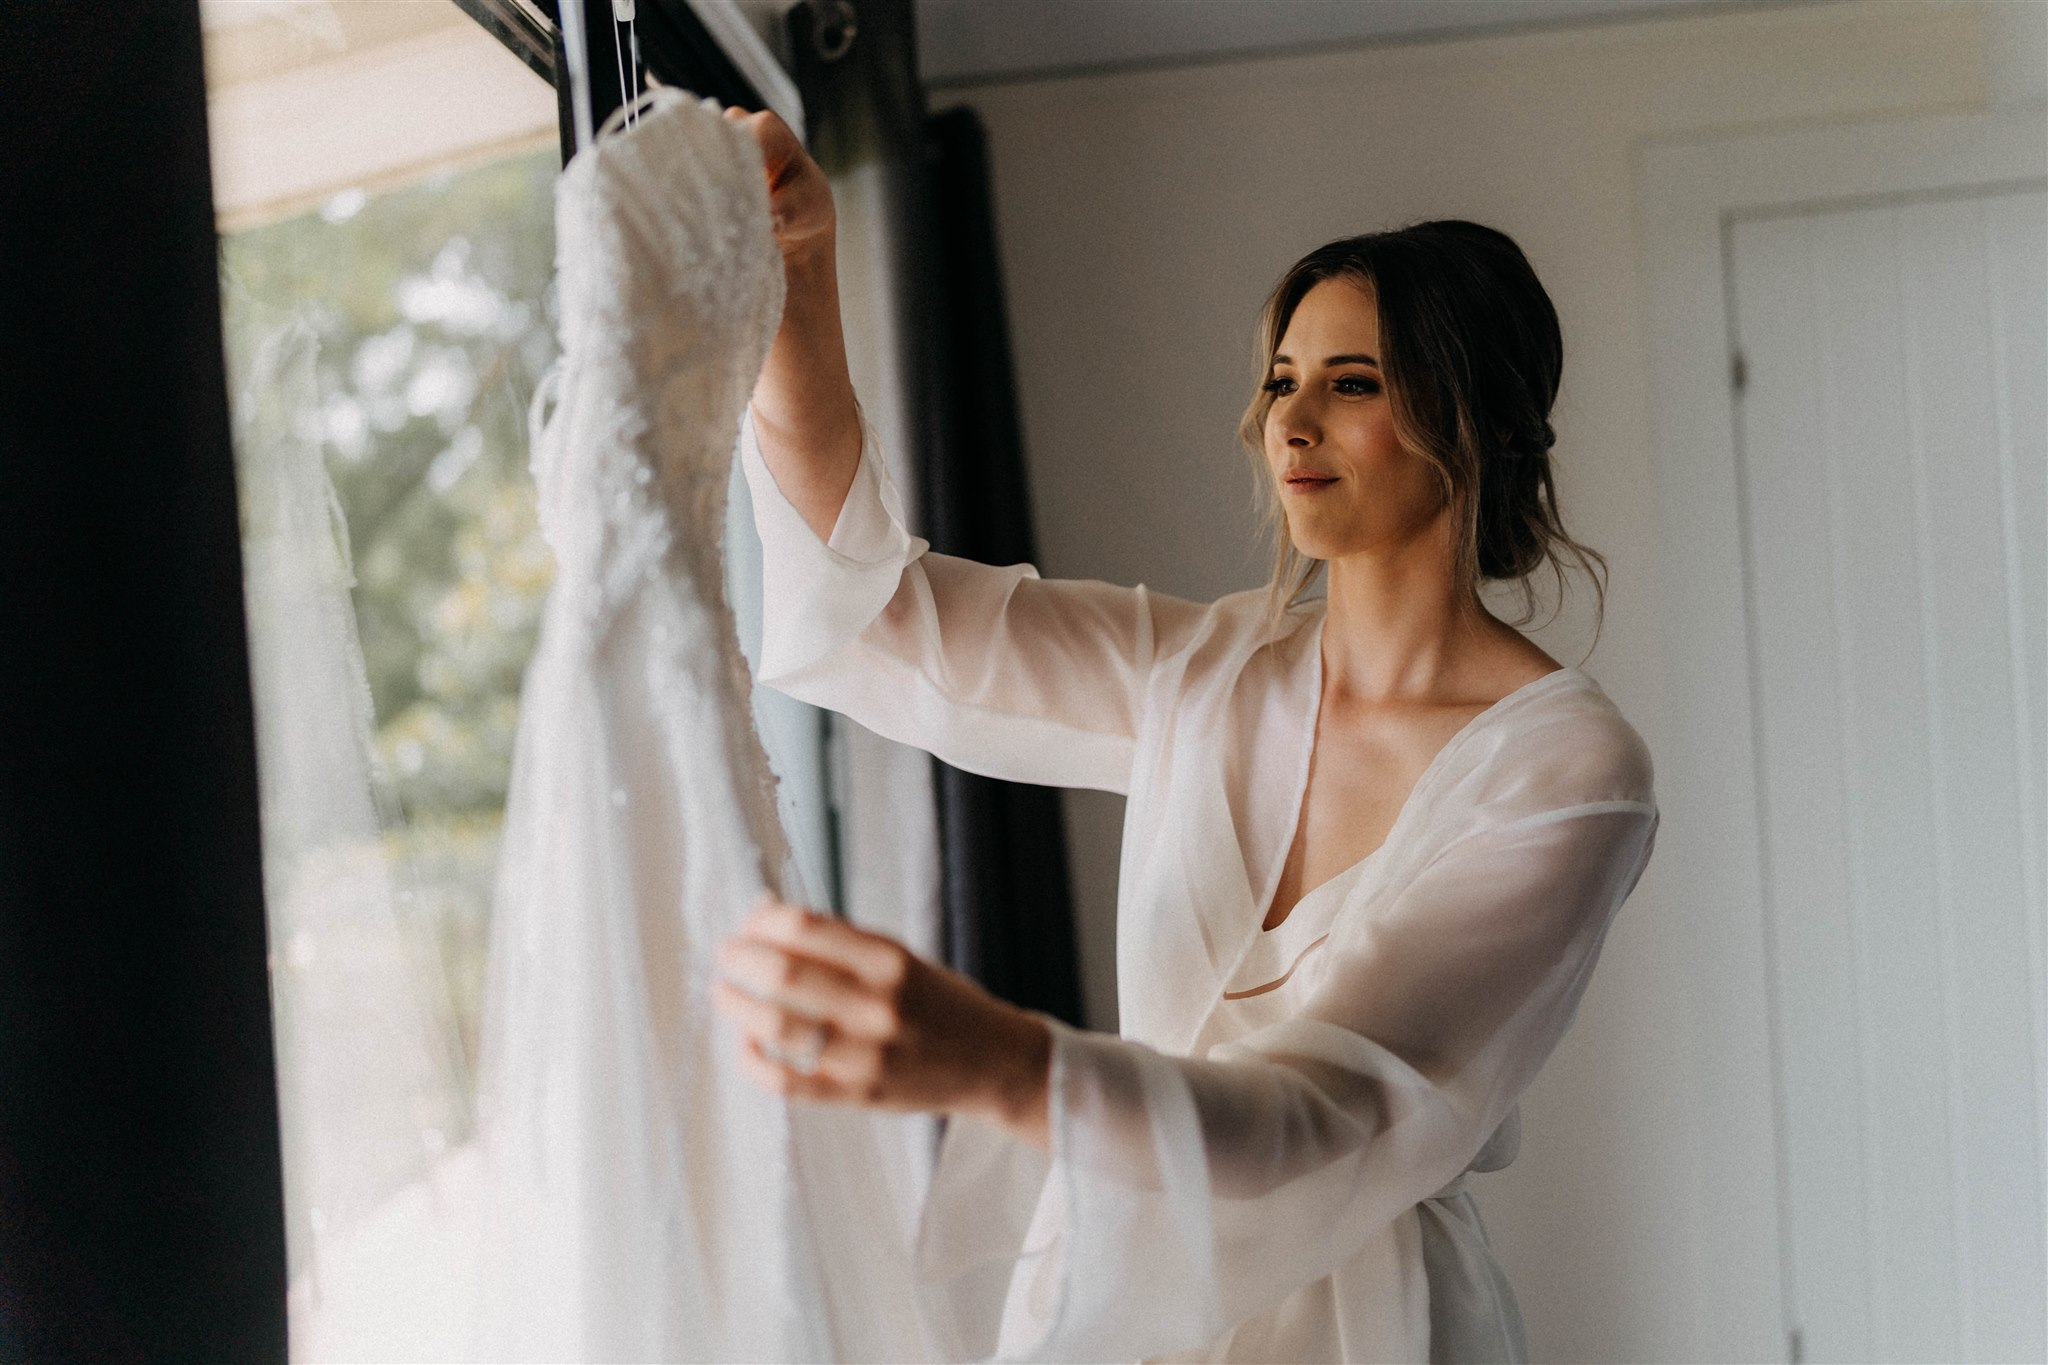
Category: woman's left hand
[830,1012]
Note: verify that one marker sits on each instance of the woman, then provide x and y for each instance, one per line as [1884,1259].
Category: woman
[1373,841]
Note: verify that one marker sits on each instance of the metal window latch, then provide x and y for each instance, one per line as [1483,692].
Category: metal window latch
[833,26]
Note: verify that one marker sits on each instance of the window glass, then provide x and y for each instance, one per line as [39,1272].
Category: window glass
[419,322]
[384,186]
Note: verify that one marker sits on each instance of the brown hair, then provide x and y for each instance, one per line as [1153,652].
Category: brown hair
[1471,354]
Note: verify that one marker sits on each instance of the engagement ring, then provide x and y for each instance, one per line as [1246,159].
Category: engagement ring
[803,1059]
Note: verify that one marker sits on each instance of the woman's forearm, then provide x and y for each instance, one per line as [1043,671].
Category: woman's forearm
[803,408]
[804,412]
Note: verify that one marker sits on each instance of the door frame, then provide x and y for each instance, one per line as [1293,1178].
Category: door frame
[1689,193]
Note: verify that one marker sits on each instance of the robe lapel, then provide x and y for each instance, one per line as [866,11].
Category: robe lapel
[1235,810]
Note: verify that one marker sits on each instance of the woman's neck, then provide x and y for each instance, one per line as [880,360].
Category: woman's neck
[1397,626]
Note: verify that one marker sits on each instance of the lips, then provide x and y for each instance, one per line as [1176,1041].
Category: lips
[1300,480]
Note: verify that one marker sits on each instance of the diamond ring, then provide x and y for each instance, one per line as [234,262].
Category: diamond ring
[803,1059]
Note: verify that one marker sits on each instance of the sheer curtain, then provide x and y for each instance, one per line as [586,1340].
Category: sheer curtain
[372,1084]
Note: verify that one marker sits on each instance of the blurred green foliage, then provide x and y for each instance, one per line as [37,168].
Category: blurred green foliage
[432,314]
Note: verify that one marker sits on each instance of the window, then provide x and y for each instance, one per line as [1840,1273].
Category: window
[383,181]
[384,187]
[398,339]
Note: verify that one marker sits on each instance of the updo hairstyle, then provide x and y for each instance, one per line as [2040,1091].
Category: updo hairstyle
[1471,354]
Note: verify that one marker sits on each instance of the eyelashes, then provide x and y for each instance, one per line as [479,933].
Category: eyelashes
[1361,387]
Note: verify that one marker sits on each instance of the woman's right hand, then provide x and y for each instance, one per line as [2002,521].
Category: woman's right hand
[799,195]
[805,412]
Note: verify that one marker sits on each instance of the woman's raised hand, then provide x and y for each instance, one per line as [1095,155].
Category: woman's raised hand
[799,196]
[830,1012]
[804,408]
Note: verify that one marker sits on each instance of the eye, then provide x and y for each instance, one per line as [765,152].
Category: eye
[1362,385]
[1277,385]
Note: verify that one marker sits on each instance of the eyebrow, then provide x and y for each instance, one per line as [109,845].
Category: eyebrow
[1359,359]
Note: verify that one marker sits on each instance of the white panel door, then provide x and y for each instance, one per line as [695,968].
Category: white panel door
[1892,448]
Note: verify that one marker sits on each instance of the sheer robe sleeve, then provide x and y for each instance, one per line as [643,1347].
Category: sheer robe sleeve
[1187,1194]
[993,669]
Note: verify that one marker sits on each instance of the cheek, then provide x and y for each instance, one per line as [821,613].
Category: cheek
[1391,486]
[1378,439]
[1274,445]
[1367,448]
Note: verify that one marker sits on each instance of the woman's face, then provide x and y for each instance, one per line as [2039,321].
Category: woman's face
[1346,483]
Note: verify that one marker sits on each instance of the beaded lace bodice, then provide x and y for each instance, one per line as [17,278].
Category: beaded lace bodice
[671,290]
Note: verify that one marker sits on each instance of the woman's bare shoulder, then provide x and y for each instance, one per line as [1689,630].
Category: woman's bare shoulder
[1513,661]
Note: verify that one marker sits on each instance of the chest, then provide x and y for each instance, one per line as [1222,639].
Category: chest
[1365,764]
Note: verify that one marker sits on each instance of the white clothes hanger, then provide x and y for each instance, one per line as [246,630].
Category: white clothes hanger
[629,99]
[721,18]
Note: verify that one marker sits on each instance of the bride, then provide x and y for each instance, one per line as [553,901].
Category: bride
[1373,842]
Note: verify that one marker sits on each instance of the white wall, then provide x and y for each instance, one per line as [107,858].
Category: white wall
[1143,217]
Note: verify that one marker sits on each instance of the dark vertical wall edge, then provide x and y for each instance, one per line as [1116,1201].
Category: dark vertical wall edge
[140,1179]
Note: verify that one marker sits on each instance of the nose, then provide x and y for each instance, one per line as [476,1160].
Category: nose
[1293,421]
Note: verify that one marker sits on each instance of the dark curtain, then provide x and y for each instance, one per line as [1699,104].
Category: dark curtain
[1008,901]
[1009,919]
[140,1207]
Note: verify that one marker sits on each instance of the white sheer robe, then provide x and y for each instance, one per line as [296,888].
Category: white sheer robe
[1268,1164]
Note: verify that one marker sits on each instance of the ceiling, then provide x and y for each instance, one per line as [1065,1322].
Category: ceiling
[965,42]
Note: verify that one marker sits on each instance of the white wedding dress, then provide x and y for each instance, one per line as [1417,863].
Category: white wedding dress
[645,1201]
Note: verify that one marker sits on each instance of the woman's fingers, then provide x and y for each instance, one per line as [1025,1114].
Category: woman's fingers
[790,1032]
[797,983]
[796,1054]
[782,155]
[783,1079]
[881,963]
[799,196]
[832,1012]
